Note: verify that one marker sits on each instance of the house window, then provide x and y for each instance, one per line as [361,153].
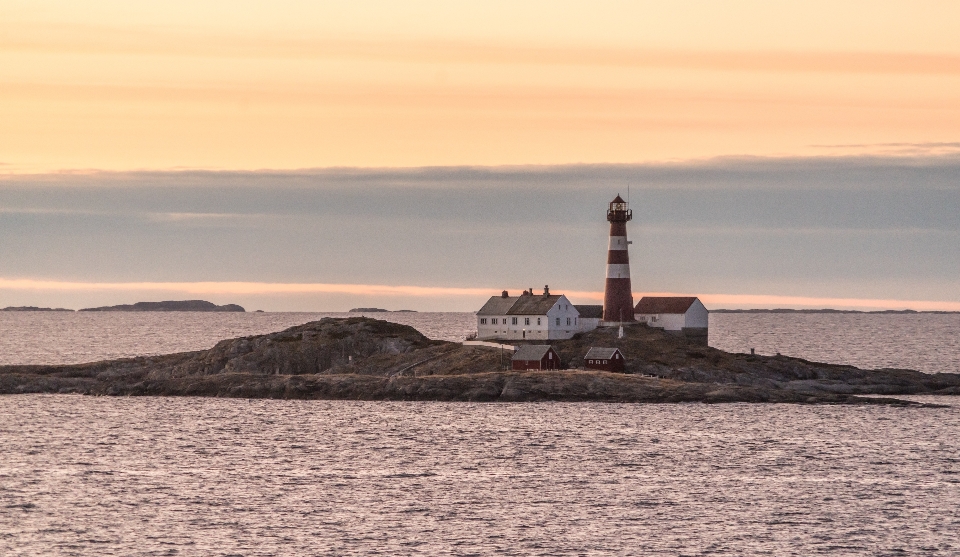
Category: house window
[568,321]
[538,321]
[558,322]
[494,320]
[514,320]
[526,320]
[483,320]
[549,355]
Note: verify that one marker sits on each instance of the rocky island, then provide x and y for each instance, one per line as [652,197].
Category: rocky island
[32,308]
[360,358]
[183,305]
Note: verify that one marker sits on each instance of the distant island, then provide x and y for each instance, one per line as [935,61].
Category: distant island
[182,305]
[787,310]
[32,308]
[381,310]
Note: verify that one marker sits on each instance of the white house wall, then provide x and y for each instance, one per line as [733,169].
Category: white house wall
[546,330]
[589,323]
[697,317]
[665,321]
[505,328]
[563,310]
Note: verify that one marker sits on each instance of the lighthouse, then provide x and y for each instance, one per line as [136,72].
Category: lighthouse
[617,296]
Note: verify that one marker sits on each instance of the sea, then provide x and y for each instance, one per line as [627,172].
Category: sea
[225,477]
[925,342]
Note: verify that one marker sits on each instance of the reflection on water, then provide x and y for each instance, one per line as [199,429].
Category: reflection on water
[186,476]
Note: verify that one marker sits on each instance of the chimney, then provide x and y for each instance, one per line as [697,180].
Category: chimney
[504,294]
[546,290]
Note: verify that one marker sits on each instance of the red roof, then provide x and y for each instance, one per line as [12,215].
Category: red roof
[618,199]
[664,304]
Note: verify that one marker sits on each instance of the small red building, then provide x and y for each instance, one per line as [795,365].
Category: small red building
[606,359]
[535,356]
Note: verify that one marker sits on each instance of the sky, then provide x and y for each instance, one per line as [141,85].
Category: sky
[423,155]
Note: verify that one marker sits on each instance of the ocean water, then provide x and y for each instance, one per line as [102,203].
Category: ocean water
[209,477]
[76,337]
[926,342]
[196,477]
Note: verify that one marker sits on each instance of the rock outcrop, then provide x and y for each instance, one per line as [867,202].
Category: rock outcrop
[367,359]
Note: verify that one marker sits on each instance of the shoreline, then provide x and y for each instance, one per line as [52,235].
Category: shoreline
[360,358]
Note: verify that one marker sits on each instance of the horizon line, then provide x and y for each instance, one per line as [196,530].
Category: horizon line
[275,288]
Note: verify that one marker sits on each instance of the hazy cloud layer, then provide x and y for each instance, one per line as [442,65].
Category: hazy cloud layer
[823,227]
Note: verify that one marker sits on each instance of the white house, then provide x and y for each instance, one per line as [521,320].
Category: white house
[674,313]
[590,316]
[528,316]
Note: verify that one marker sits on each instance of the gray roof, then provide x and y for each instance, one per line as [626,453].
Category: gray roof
[498,305]
[531,352]
[588,312]
[597,353]
[664,304]
[533,305]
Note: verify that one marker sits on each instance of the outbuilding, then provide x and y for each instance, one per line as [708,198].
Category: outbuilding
[680,314]
[605,359]
[535,356]
[590,316]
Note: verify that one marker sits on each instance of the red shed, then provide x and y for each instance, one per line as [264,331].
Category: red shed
[606,359]
[535,356]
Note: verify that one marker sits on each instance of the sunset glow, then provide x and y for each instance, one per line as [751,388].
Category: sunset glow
[464,297]
[237,86]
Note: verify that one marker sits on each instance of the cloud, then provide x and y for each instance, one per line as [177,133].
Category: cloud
[165,41]
[834,228]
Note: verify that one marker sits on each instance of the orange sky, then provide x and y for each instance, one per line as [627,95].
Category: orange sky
[244,85]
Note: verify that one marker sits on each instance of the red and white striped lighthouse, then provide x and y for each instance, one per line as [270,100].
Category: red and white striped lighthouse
[617,296]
